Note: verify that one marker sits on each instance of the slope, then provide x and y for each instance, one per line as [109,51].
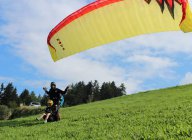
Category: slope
[158,114]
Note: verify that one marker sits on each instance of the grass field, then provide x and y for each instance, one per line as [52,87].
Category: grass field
[160,114]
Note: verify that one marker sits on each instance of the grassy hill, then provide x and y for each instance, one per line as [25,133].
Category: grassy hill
[159,114]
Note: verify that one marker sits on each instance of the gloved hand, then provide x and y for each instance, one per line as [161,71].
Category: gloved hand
[69,87]
[44,88]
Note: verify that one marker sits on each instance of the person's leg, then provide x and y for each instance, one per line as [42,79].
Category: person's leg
[47,116]
[41,117]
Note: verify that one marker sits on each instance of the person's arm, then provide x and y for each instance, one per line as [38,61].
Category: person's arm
[65,91]
[46,91]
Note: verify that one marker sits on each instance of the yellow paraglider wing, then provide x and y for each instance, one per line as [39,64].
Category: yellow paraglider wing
[106,21]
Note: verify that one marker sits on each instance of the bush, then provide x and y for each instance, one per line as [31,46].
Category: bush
[5,112]
[12,104]
[26,111]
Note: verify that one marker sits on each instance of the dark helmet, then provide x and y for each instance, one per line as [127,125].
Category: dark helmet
[53,84]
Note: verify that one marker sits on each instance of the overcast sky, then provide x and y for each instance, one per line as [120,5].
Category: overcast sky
[142,63]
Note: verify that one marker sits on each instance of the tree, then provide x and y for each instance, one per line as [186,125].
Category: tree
[82,95]
[9,97]
[34,97]
[39,98]
[25,97]
[79,93]
[44,100]
[122,89]
[96,91]
[110,90]
[106,91]
[89,92]
[69,98]
[1,91]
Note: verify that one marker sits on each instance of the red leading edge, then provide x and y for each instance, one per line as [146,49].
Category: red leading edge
[101,3]
[87,9]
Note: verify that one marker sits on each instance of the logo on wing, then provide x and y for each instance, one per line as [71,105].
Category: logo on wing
[60,44]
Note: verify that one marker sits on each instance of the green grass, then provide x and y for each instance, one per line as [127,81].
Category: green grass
[160,114]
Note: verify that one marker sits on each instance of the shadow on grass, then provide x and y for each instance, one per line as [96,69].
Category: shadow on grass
[26,123]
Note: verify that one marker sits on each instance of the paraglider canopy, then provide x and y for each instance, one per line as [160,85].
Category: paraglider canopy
[105,21]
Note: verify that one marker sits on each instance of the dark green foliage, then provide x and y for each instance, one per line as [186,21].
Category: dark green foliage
[34,98]
[1,92]
[5,112]
[44,100]
[81,93]
[77,95]
[96,91]
[110,90]
[25,97]
[9,96]
[39,98]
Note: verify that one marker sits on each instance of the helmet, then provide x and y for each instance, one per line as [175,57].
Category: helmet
[49,102]
[53,84]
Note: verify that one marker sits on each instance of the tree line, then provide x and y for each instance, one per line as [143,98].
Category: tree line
[79,93]
[10,97]
[84,93]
